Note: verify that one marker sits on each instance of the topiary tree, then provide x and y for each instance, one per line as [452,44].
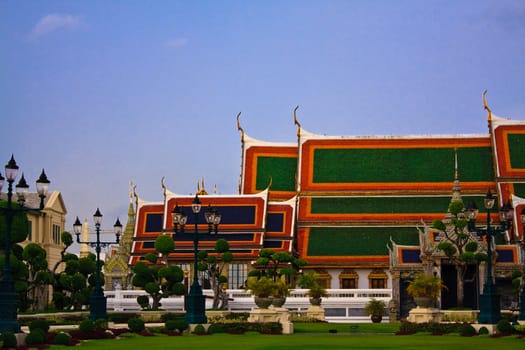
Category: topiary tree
[71,288]
[39,278]
[159,280]
[458,244]
[214,265]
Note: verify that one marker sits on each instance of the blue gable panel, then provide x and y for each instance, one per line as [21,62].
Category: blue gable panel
[275,222]
[153,222]
[410,256]
[505,256]
[232,215]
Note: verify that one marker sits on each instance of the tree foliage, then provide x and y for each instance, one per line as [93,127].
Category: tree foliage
[214,265]
[158,279]
[458,244]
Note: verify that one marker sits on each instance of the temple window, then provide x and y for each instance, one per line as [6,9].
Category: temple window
[348,279]
[237,276]
[377,279]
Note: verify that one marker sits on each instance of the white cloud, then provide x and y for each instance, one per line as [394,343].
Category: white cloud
[53,22]
[176,43]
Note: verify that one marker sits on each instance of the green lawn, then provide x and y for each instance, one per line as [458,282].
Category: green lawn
[304,341]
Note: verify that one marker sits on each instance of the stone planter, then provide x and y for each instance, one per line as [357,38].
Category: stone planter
[376,318]
[424,302]
[315,301]
[278,301]
[263,302]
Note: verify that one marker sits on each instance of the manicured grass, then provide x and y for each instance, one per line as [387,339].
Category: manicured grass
[305,341]
[309,327]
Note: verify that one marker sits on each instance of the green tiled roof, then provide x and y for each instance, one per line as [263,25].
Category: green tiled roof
[385,205]
[517,150]
[358,241]
[282,171]
[401,165]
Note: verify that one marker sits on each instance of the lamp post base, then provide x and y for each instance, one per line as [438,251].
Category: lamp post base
[8,311]
[196,303]
[522,306]
[97,307]
[489,307]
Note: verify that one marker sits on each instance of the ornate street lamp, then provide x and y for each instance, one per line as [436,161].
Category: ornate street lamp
[489,300]
[8,296]
[196,302]
[98,302]
[522,294]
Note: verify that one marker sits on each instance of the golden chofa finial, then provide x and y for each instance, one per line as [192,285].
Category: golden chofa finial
[485,105]
[296,122]
[239,126]
[201,190]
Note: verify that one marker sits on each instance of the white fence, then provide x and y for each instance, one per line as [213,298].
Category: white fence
[341,305]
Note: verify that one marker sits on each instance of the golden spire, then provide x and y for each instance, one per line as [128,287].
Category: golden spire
[201,191]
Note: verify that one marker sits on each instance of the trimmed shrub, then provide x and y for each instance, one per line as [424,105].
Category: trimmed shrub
[468,330]
[216,328]
[143,301]
[180,324]
[42,324]
[9,339]
[504,327]
[36,336]
[101,324]
[199,329]
[483,331]
[170,325]
[136,325]
[86,326]
[62,339]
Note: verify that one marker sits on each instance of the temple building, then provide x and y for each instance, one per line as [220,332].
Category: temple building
[356,208]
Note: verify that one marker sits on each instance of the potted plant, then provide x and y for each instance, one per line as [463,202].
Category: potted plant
[425,289]
[315,290]
[279,293]
[262,289]
[375,309]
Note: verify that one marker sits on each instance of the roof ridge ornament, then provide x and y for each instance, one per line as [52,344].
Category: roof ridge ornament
[239,127]
[296,122]
[485,106]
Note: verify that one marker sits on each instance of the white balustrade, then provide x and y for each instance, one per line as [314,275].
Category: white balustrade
[341,305]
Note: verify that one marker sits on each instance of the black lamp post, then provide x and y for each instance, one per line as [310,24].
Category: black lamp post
[98,303]
[522,294]
[196,302]
[8,296]
[489,300]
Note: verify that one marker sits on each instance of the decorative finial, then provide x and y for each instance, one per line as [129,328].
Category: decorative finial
[131,190]
[485,106]
[215,189]
[163,186]
[296,122]
[239,126]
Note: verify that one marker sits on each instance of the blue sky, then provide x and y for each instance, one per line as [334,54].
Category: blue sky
[101,92]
